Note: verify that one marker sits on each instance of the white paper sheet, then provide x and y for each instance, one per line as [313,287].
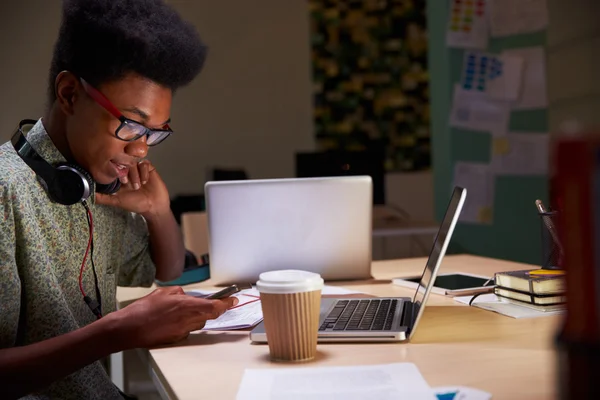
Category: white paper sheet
[514,17]
[522,154]
[533,93]
[467,25]
[479,181]
[493,303]
[499,76]
[473,110]
[382,382]
[244,316]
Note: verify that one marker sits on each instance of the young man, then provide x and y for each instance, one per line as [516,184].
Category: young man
[115,68]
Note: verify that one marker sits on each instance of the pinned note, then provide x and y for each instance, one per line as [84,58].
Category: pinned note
[516,17]
[479,181]
[473,110]
[467,24]
[533,94]
[499,76]
[500,146]
[485,215]
[520,154]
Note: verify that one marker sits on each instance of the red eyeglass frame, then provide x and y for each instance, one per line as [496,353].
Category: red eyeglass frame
[103,101]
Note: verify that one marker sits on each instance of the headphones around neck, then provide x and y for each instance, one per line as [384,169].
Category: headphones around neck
[65,183]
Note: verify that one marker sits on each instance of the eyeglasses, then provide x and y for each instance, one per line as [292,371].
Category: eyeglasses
[129,130]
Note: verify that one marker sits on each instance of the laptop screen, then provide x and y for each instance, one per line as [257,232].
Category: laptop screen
[437,251]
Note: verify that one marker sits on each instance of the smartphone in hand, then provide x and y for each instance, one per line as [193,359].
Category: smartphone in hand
[227,292]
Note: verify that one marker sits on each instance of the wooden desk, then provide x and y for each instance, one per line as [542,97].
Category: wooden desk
[453,345]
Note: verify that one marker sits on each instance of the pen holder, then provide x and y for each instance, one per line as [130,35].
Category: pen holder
[551,246]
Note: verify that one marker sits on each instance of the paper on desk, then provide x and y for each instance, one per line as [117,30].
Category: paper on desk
[474,110]
[491,302]
[467,25]
[460,393]
[382,382]
[499,76]
[520,154]
[479,181]
[533,93]
[514,17]
[242,317]
[246,314]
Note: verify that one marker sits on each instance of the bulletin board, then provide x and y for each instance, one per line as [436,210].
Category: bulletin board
[510,229]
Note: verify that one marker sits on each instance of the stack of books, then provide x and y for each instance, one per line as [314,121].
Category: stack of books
[542,290]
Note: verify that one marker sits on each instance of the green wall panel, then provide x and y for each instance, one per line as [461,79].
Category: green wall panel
[515,232]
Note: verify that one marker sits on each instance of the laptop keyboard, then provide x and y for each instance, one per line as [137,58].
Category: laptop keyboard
[361,315]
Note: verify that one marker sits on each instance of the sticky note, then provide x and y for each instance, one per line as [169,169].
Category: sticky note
[546,272]
[485,215]
[501,146]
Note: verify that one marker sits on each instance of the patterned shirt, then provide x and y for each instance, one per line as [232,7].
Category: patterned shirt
[42,245]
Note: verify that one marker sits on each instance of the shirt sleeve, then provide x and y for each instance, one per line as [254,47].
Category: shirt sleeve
[137,268]
[10,283]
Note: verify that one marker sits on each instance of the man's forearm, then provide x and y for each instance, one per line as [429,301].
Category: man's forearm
[29,368]
[166,245]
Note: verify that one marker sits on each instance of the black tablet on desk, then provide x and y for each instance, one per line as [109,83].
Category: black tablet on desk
[452,283]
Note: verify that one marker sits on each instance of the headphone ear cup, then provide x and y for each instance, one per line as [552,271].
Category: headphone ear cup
[111,188]
[71,184]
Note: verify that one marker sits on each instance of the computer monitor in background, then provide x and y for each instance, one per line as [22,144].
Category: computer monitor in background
[345,163]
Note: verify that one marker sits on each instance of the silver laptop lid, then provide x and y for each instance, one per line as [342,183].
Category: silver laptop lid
[320,225]
[438,250]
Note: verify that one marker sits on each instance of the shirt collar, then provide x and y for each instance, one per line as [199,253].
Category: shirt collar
[42,143]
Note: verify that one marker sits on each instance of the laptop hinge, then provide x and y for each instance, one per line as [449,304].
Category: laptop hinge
[407,315]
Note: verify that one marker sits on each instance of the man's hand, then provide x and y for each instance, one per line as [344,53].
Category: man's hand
[142,191]
[165,316]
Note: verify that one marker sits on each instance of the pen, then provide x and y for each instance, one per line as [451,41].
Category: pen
[551,228]
[540,206]
[256,298]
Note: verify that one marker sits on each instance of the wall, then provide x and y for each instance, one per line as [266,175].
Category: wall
[251,106]
[515,233]
[573,59]
[28,29]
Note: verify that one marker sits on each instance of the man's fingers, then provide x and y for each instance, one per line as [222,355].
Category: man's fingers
[210,309]
[144,170]
[196,325]
[134,177]
[230,302]
[221,306]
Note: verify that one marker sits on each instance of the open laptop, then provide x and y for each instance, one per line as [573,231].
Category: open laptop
[384,319]
[321,225]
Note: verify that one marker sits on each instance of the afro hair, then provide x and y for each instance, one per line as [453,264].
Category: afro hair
[104,40]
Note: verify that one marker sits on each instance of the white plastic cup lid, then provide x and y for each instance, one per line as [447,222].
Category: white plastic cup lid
[289,281]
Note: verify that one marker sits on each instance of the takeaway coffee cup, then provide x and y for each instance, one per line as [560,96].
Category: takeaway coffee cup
[291,300]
